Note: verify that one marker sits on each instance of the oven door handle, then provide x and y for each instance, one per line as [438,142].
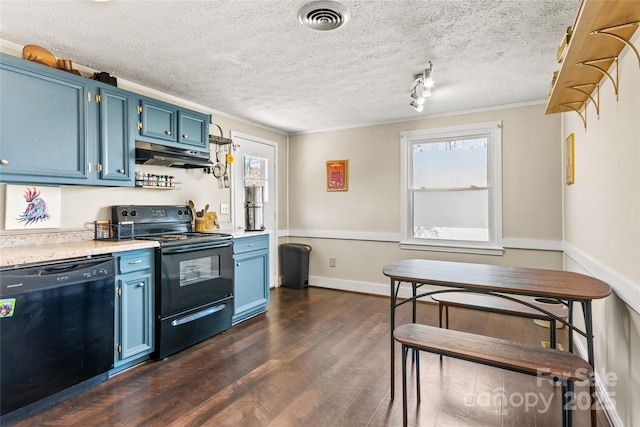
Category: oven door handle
[196,247]
[198,315]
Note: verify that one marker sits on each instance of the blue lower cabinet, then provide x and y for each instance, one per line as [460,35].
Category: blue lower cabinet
[133,308]
[251,258]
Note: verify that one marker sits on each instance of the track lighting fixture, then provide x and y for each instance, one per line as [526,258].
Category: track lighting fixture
[422,84]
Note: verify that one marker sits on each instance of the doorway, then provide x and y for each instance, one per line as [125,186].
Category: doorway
[260,156]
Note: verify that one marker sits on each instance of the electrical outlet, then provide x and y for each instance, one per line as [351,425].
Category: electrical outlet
[224,209]
[332,261]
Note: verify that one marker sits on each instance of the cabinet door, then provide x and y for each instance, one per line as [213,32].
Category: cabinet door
[136,326]
[158,120]
[116,162]
[193,129]
[43,124]
[251,289]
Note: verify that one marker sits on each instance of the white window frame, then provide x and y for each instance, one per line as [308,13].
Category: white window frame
[492,130]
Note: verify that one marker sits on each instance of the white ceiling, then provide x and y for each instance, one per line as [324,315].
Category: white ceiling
[252,59]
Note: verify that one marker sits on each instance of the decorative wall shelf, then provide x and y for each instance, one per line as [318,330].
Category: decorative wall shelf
[600,32]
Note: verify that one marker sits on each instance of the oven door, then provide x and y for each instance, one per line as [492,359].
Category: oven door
[193,276]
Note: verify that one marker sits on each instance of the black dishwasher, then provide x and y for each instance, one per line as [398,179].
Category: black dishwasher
[56,331]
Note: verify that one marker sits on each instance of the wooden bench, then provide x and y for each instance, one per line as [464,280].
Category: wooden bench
[499,305]
[513,356]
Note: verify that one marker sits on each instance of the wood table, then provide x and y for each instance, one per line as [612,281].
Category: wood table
[563,286]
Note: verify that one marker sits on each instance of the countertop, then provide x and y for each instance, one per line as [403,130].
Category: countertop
[19,255]
[19,250]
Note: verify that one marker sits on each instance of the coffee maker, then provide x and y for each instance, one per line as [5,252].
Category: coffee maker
[254,208]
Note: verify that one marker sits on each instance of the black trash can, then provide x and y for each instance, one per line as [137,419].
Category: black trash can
[294,265]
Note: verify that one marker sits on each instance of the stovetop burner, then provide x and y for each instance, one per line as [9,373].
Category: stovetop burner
[172,236]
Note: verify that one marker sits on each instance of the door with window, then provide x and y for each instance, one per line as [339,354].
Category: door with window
[255,165]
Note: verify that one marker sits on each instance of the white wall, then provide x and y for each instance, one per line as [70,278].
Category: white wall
[602,227]
[361,227]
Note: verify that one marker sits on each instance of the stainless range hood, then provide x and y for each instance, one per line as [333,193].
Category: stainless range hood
[161,155]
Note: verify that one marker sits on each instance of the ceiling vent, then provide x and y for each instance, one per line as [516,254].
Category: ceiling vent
[324,15]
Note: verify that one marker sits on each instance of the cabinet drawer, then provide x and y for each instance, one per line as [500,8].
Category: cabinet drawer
[134,261]
[247,244]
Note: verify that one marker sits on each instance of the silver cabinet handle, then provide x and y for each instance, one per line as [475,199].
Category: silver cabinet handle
[185,136]
[168,132]
[4,161]
[120,170]
[238,265]
[250,245]
[138,261]
[141,285]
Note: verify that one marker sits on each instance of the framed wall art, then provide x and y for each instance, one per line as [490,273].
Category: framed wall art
[337,175]
[569,166]
[30,207]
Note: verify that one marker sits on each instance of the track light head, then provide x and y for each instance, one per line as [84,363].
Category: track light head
[428,76]
[417,99]
[416,106]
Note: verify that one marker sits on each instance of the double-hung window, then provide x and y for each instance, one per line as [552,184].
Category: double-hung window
[451,188]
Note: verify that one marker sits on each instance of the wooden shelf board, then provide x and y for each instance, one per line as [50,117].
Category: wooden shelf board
[583,46]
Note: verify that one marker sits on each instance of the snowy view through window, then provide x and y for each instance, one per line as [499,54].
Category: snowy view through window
[450,191]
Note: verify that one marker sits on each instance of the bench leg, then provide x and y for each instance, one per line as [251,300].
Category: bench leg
[567,394]
[444,307]
[405,350]
[552,333]
[417,355]
[592,390]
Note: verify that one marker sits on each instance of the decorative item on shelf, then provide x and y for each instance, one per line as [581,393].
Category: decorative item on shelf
[105,77]
[40,55]
[562,48]
[422,84]
[337,175]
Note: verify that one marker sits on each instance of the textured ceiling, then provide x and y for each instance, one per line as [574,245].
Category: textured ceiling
[253,59]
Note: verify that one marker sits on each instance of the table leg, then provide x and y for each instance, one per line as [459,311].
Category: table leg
[393,325]
[588,329]
[570,309]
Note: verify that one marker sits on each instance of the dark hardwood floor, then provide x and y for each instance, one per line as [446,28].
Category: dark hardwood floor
[319,357]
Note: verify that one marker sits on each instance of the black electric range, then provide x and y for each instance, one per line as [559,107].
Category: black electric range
[194,275]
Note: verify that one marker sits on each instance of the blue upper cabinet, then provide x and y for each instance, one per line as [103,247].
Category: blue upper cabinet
[158,120]
[194,129]
[59,128]
[171,125]
[116,119]
[44,124]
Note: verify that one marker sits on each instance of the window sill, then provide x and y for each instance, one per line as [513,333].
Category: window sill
[497,251]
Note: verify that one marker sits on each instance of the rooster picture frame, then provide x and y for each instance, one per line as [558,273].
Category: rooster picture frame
[29,207]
